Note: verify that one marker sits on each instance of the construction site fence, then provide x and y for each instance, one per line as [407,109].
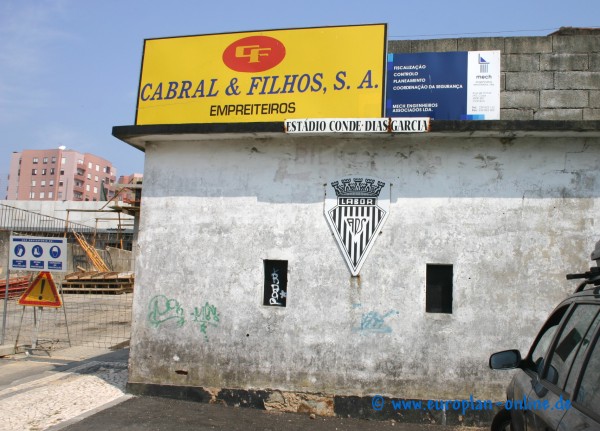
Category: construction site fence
[88,317]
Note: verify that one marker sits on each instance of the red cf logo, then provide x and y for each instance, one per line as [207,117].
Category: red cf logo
[254,54]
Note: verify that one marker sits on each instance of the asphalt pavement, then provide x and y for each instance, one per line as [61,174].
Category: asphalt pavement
[147,413]
[81,388]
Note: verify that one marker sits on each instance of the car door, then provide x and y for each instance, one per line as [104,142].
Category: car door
[547,401]
[584,384]
[532,366]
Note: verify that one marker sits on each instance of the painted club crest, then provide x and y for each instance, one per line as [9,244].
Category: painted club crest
[356,209]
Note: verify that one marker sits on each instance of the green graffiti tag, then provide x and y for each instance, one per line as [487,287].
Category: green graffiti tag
[207,315]
[163,309]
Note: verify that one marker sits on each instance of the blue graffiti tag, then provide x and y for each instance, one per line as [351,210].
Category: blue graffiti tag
[374,322]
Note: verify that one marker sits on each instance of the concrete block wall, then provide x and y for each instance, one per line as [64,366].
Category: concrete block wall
[556,77]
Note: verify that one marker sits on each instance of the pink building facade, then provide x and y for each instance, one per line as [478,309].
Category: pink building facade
[60,174]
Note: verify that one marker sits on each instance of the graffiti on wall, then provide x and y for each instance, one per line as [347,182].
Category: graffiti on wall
[275,286]
[206,316]
[373,322]
[163,309]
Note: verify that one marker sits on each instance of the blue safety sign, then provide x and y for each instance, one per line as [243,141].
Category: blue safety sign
[38,253]
[19,250]
[55,252]
[36,264]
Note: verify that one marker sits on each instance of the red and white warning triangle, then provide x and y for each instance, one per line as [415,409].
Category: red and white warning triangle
[42,292]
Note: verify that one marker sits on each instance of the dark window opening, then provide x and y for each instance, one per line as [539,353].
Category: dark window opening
[438,295]
[275,286]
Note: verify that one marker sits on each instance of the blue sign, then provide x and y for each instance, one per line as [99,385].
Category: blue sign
[55,252]
[432,84]
[19,264]
[444,85]
[36,264]
[56,266]
[37,251]
[19,250]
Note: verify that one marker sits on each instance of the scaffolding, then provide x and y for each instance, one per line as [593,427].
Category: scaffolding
[92,253]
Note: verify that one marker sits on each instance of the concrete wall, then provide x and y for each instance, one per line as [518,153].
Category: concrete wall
[512,215]
[121,260]
[543,78]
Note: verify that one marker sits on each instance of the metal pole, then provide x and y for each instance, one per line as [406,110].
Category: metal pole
[119,231]
[19,331]
[67,224]
[35,333]
[64,306]
[6,290]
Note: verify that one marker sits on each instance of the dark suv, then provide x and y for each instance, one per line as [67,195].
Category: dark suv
[557,386]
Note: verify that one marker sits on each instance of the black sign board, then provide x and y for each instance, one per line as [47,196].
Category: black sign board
[275,283]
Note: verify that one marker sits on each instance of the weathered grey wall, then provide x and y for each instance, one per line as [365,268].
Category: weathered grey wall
[543,78]
[512,216]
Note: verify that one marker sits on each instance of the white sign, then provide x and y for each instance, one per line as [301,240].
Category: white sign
[33,253]
[358,125]
[483,85]
[356,209]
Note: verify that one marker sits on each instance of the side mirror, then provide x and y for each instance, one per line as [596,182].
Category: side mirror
[506,360]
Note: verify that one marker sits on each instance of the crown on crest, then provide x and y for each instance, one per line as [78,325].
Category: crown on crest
[357,187]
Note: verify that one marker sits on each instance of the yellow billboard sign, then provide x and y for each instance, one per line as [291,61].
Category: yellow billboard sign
[274,75]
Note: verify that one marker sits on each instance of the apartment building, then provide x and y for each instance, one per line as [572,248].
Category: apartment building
[60,174]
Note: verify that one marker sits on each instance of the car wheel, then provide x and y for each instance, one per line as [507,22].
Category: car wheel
[502,421]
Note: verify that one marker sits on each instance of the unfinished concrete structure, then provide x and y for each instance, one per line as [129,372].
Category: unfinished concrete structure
[509,206]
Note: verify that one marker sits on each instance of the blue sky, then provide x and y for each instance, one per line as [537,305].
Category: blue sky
[69,69]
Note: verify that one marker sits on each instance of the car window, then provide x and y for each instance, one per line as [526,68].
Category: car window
[585,343]
[538,351]
[568,343]
[588,394]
